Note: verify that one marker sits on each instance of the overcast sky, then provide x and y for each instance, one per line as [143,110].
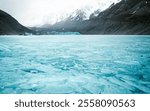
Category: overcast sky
[38,12]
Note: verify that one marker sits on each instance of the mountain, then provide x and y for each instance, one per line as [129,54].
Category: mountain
[69,24]
[10,26]
[125,17]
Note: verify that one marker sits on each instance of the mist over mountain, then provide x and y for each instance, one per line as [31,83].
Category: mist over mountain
[125,17]
[10,26]
[39,12]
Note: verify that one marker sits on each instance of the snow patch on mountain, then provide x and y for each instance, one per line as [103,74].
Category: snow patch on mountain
[79,13]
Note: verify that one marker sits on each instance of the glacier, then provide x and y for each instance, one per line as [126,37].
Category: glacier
[75,64]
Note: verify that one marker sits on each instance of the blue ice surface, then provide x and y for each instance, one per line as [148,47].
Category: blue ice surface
[75,64]
[63,33]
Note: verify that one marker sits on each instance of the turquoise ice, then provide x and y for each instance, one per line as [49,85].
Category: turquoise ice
[75,64]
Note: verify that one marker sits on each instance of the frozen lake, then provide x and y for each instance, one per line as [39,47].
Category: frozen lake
[75,64]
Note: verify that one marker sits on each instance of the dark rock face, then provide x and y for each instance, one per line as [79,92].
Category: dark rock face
[10,26]
[125,17]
